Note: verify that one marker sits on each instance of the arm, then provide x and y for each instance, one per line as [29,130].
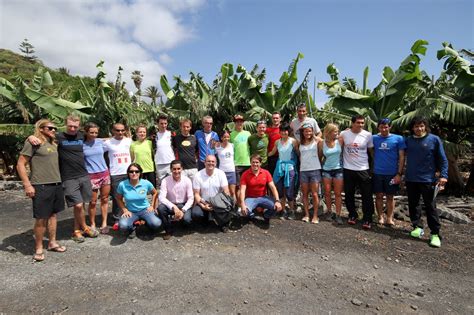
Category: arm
[23,160]
[226,190]
[274,191]
[243,207]
[401,164]
[34,140]
[121,204]
[200,201]
[190,195]
[273,151]
[162,197]
[442,162]
[154,197]
[320,151]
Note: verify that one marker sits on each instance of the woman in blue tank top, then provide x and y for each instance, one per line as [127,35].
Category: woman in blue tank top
[285,173]
[330,151]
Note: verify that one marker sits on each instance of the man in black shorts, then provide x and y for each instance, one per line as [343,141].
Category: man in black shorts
[44,185]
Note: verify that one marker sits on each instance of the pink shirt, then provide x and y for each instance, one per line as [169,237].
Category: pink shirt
[173,192]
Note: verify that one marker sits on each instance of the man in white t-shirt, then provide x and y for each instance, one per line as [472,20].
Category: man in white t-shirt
[118,150]
[301,120]
[164,148]
[207,183]
[357,143]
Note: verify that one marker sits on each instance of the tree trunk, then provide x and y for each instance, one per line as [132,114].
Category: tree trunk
[455,181]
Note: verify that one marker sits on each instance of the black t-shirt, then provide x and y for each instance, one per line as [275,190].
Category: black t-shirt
[71,156]
[186,146]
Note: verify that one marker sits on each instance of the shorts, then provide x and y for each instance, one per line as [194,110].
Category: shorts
[100,179]
[333,174]
[162,170]
[190,172]
[231,178]
[307,177]
[48,199]
[289,191]
[239,170]
[381,184]
[77,190]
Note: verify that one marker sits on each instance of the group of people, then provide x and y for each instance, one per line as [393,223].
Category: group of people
[262,172]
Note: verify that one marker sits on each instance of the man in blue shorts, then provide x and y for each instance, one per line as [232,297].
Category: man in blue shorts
[389,159]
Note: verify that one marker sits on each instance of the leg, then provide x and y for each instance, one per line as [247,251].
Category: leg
[432,215]
[197,213]
[349,190]
[79,217]
[327,185]
[390,207]
[379,206]
[151,219]
[104,204]
[268,205]
[413,193]
[164,214]
[92,206]
[366,192]
[126,224]
[314,192]
[305,190]
[39,229]
[338,186]
[52,227]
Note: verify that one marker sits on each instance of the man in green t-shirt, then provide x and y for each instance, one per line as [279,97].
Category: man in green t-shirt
[258,143]
[239,138]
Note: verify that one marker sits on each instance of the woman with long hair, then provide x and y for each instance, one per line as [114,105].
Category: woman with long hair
[225,154]
[285,173]
[310,171]
[330,153]
[98,173]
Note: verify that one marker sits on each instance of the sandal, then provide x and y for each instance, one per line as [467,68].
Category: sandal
[77,236]
[58,249]
[104,230]
[38,257]
[305,219]
[90,232]
[315,221]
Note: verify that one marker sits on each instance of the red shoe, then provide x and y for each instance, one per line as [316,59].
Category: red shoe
[352,221]
[367,225]
[115,227]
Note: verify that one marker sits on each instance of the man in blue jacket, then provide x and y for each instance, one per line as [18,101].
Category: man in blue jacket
[425,157]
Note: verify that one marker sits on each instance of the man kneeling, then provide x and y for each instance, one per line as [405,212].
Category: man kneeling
[253,192]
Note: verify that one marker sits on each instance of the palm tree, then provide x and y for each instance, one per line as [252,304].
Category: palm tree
[153,93]
[137,78]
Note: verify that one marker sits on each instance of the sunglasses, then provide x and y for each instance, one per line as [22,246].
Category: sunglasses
[120,130]
[134,172]
[51,128]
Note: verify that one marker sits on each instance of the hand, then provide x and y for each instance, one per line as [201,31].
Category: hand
[278,207]
[243,210]
[30,191]
[178,213]
[126,214]
[150,209]
[34,140]
[206,206]
[397,179]
[441,182]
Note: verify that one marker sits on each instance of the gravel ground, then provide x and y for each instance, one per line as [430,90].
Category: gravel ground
[294,267]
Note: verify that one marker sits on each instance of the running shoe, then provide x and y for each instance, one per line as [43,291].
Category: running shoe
[366,225]
[417,232]
[352,220]
[435,241]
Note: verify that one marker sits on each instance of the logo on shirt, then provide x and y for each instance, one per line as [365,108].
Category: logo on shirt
[142,191]
[186,143]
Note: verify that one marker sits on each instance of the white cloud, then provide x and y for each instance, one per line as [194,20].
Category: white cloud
[78,34]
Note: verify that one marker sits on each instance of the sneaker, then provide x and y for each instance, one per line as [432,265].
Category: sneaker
[352,220]
[132,234]
[266,224]
[339,220]
[435,241]
[305,219]
[167,236]
[417,232]
[367,225]
[115,227]
[284,215]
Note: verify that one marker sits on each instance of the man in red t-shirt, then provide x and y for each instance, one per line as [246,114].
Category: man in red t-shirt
[253,191]
[273,134]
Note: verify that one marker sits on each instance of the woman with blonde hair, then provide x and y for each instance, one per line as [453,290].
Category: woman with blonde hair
[43,186]
[330,152]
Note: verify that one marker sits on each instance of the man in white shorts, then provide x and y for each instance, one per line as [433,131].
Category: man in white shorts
[164,149]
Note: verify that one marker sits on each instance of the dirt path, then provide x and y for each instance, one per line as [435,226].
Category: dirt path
[292,268]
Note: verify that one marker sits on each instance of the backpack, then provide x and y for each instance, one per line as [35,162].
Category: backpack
[223,208]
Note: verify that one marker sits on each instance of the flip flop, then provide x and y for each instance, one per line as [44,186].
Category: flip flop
[104,230]
[57,249]
[38,257]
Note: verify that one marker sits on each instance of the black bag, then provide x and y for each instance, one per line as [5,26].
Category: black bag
[223,207]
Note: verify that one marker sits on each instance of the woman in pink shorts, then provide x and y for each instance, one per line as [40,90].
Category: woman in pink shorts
[98,173]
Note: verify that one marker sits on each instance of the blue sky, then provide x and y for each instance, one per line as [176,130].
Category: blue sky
[174,37]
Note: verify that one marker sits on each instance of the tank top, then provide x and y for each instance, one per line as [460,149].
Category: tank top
[309,157]
[332,156]
[285,151]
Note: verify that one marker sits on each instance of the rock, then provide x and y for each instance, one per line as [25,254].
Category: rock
[11,249]
[376,267]
[419,293]
[246,302]
[414,307]
[452,215]
[389,259]
[356,302]
[385,292]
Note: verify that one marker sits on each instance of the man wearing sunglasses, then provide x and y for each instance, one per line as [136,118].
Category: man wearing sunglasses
[118,149]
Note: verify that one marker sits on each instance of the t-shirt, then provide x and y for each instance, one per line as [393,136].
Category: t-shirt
[119,155]
[259,145]
[355,149]
[186,147]
[309,159]
[94,156]
[164,150]
[226,158]
[241,147]
[44,163]
[205,143]
[296,125]
[143,155]
[209,186]
[256,185]
[71,156]
[273,134]
[135,197]
[386,153]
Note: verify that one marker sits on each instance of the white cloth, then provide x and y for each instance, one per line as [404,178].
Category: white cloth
[164,148]
[119,155]
[355,149]
[226,158]
[296,125]
[209,186]
[309,160]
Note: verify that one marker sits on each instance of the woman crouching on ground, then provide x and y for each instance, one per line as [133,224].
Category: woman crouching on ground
[98,173]
[44,186]
[310,171]
[132,199]
[330,151]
